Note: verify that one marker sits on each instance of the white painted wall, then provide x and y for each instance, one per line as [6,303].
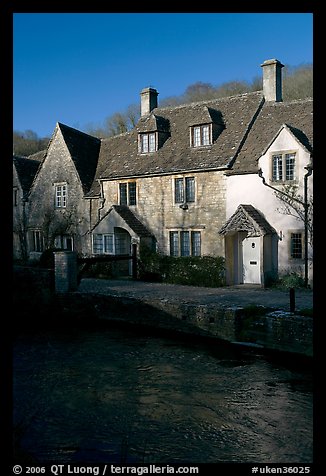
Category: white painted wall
[249,189]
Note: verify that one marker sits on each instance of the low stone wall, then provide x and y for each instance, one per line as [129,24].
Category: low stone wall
[277,331]
[34,295]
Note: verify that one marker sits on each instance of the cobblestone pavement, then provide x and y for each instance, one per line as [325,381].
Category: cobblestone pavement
[229,296]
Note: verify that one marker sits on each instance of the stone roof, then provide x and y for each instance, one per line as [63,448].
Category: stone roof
[153,123]
[119,156]
[84,150]
[132,221]
[26,168]
[39,156]
[244,125]
[296,115]
[247,218]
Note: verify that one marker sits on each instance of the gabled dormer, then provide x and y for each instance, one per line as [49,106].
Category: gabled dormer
[286,156]
[206,127]
[153,131]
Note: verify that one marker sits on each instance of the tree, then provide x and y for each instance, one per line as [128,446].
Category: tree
[293,204]
[298,82]
[199,91]
[27,143]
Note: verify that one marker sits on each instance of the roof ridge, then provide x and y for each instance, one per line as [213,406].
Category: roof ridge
[207,101]
[77,131]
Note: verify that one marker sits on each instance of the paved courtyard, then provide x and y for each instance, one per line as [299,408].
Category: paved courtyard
[229,296]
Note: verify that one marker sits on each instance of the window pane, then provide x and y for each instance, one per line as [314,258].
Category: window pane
[197,136]
[190,189]
[205,135]
[37,241]
[185,244]
[289,166]
[195,243]
[108,244]
[97,244]
[57,242]
[174,243]
[144,142]
[178,190]
[277,168]
[68,243]
[123,193]
[132,193]
[58,196]
[152,142]
[296,245]
[64,195]
[121,244]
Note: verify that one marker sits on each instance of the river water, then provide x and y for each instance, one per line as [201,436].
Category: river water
[112,395]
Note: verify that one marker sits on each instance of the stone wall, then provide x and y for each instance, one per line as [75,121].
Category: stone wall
[157,210]
[43,215]
[277,331]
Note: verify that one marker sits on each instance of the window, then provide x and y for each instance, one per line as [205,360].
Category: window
[148,143]
[127,192]
[174,243]
[296,246]
[65,242]
[185,243]
[184,190]
[103,243]
[283,167]
[122,246]
[201,135]
[195,243]
[37,241]
[61,196]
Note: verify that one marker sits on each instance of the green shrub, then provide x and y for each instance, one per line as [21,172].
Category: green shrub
[207,271]
[291,280]
[99,270]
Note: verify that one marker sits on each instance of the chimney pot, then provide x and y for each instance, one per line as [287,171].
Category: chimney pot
[148,101]
[272,80]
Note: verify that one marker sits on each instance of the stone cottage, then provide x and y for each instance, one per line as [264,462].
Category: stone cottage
[192,180]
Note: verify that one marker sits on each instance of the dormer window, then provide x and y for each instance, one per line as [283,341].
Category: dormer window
[201,135]
[153,131]
[148,143]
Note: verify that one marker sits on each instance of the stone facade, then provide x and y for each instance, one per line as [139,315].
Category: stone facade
[159,213]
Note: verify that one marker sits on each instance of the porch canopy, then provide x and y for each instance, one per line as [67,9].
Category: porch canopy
[248,219]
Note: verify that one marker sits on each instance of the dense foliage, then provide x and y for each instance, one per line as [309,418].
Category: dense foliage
[207,271]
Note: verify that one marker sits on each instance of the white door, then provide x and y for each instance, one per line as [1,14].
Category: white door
[251,260]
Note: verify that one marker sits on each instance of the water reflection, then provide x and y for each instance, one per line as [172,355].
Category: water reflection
[113,396]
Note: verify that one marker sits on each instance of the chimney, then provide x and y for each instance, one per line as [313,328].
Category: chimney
[148,101]
[272,80]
